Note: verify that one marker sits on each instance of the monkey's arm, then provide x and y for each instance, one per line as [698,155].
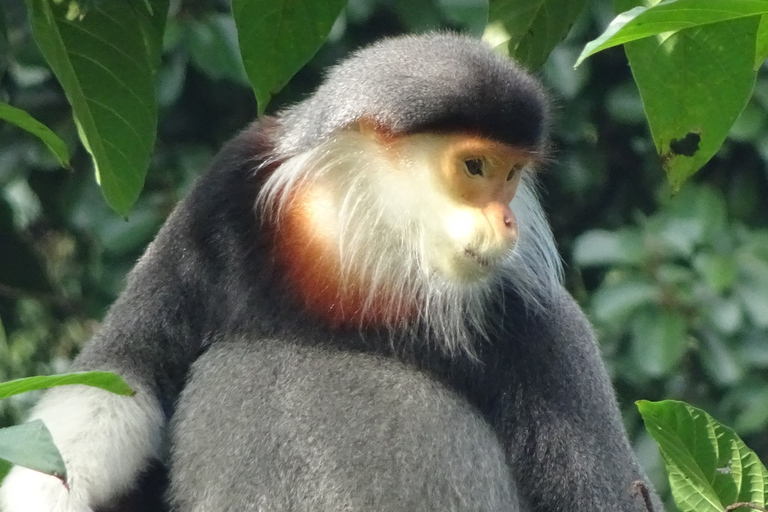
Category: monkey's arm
[106,440]
[150,336]
[560,420]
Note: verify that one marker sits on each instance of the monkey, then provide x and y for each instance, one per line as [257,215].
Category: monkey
[358,307]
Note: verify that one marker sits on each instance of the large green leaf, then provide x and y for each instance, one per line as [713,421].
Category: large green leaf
[31,445]
[694,84]
[709,466]
[277,37]
[104,380]
[532,28]
[105,63]
[670,16]
[23,120]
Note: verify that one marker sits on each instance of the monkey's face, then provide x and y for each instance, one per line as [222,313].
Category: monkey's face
[463,199]
[374,228]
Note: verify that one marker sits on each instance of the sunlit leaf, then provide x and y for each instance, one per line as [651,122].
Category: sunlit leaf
[104,380]
[709,466]
[532,28]
[670,16]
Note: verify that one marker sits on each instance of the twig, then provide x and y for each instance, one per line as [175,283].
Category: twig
[639,487]
[51,299]
[17,293]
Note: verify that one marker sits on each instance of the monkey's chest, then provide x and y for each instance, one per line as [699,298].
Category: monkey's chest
[274,426]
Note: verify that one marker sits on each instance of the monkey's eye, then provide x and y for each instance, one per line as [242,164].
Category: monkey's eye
[514,172]
[474,166]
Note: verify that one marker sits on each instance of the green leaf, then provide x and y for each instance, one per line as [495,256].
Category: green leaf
[718,270]
[754,297]
[614,302]
[23,120]
[709,466]
[673,236]
[725,313]
[659,341]
[105,63]
[532,27]
[599,247]
[31,445]
[704,206]
[752,415]
[694,85]
[670,16]
[277,37]
[470,14]
[761,45]
[212,44]
[719,360]
[5,467]
[104,380]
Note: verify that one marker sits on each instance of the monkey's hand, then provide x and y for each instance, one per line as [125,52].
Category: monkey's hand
[25,489]
[106,441]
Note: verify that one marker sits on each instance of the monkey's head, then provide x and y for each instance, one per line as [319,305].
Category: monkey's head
[402,192]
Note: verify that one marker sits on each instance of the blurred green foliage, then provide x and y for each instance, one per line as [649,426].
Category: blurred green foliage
[677,286]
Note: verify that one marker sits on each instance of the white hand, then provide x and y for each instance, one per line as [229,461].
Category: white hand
[106,440]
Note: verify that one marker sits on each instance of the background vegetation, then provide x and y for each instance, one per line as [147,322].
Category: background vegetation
[677,286]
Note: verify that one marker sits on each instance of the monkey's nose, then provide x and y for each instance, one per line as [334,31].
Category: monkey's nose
[510,223]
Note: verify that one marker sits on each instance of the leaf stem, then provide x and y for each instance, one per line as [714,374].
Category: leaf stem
[754,506]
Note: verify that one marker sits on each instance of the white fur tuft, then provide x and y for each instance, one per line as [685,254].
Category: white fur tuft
[106,440]
[383,218]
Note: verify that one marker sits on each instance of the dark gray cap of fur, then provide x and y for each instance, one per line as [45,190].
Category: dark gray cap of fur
[434,82]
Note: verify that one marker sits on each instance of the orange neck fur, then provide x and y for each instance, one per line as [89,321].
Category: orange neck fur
[310,258]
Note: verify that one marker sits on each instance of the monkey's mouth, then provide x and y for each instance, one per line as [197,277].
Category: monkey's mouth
[475,256]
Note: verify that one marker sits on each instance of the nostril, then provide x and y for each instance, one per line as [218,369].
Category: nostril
[508,221]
